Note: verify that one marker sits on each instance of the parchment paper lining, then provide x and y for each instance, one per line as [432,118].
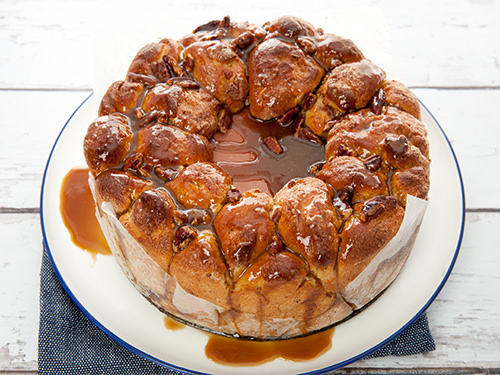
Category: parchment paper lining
[164,292]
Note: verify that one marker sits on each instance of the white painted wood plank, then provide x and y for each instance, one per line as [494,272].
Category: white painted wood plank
[468,117]
[29,126]
[436,43]
[20,261]
[464,318]
[470,120]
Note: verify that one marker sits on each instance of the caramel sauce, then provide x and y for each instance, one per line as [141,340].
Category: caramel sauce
[172,324]
[242,153]
[234,352]
[78,213]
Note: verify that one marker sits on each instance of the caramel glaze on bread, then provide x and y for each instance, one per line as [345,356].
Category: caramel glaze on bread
[273,266]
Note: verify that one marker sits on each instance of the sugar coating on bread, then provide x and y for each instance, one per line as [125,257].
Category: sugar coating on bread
[250,263]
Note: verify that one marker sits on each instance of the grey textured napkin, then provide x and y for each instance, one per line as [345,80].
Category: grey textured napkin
[69,343]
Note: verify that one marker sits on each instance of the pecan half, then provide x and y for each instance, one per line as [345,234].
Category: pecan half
[188,63]
[373,162]
[297,125]
[165,173]
[372,208]
[288,115]
[307,44]
[244,40]
[276,245]
[275,213]
[346,194]
[309,100]
[173,66]
[308,135]
[233,195]
[397,145]
[183,237]
[378,101]
[147,119]
[272,144]
[133,162]
[184,82]
[343,150]
[316,167]
[224,118]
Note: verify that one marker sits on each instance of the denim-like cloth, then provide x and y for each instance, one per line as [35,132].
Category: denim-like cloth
[69,343]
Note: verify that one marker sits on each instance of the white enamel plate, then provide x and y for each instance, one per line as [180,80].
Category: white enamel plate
[104,294]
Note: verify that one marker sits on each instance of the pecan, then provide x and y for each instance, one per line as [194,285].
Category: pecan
[288,115]
[225,23]
[272,144]
[373,162]
[184,82]
[141,78]
[343,150]
[147,119]
[378,101]
[224,118]
[308,135]
[396,145]
[173,66]
[218,33]
[160,70]
[133,162]
[276,245]
[307,44]
[316,167]
[275,213]
[297,125]
[371,209]
[145,170]
[309,100]
[188,63]
[183,237]
[165,173]
[343,208]
[346,194]
[181,217]
[244,40]
[209,26]
[233,195]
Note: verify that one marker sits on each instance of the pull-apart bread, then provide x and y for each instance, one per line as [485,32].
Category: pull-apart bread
[248,262]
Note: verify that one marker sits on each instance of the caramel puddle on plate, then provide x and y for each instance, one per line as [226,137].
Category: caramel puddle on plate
[172,324]
[234,352]
[78,213]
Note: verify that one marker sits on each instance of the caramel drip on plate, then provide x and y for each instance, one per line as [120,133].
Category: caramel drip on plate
[78,213]
[234,352]
[172,324]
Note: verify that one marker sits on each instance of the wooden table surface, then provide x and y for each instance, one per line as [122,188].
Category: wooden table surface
[447,52]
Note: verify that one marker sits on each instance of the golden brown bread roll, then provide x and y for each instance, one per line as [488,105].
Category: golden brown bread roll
[107,143]
[168,145]
[202,185]
[150,221]
[220,70]
[240,261]
[185,104]
[273,62]
[245,229]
